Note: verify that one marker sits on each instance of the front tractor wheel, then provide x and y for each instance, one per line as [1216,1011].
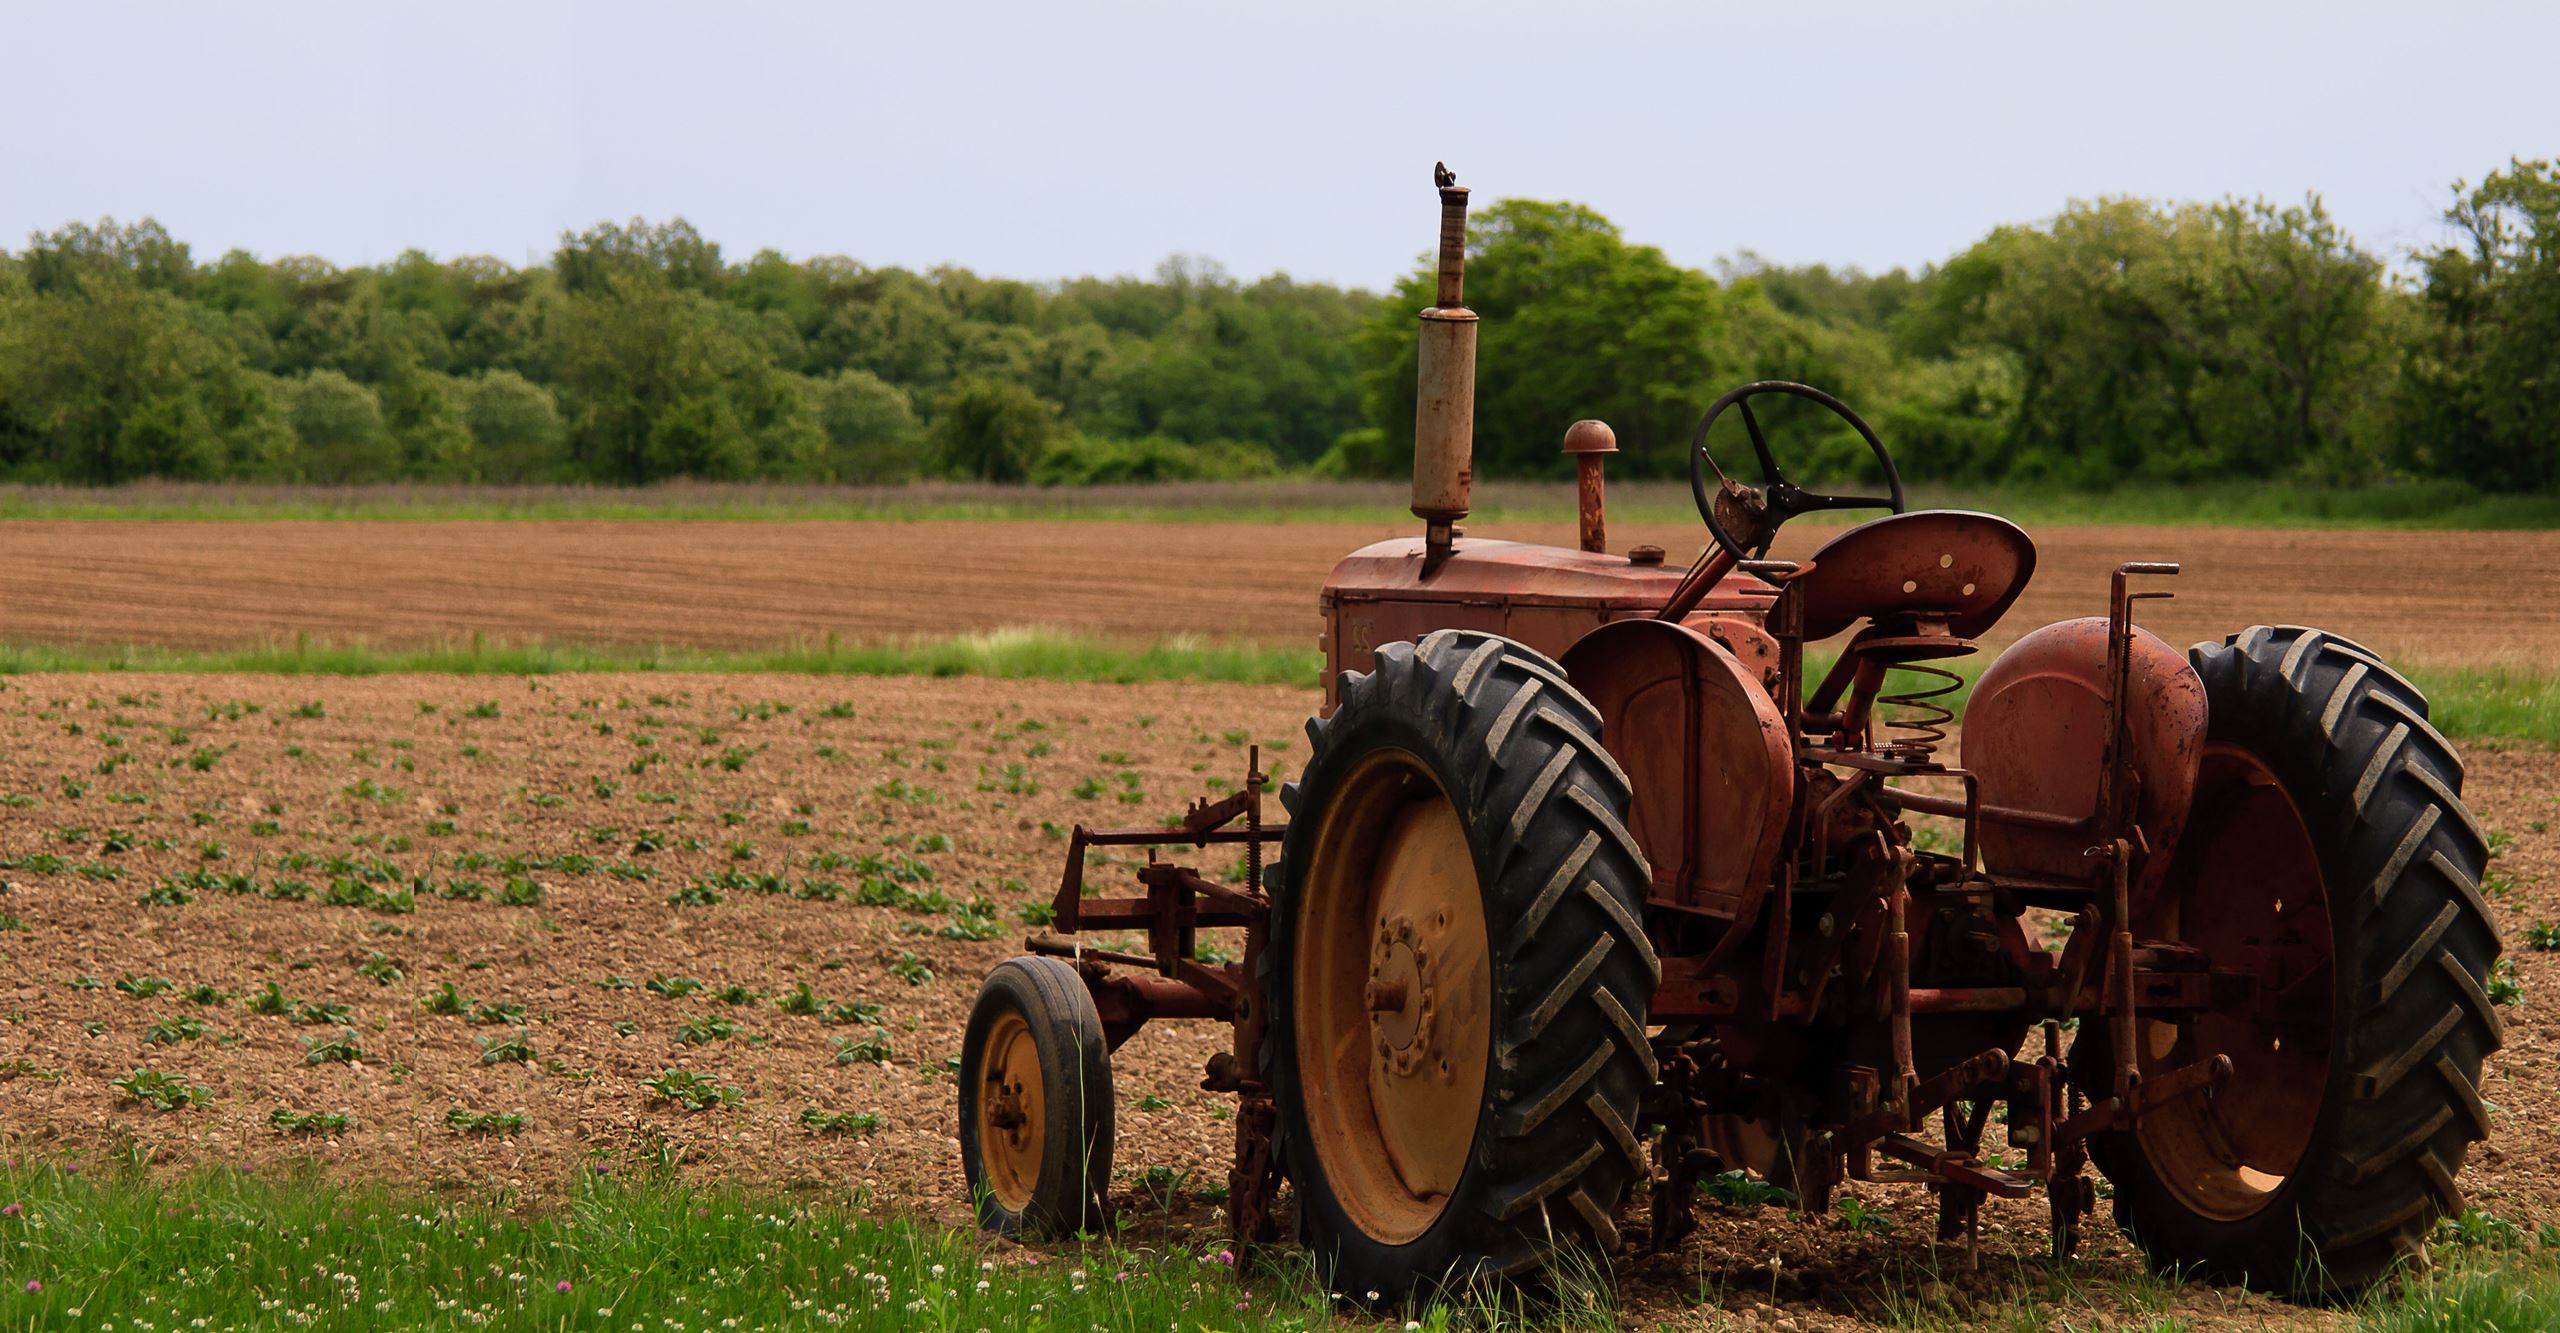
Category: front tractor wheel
[1035,1101]
[1457,976]
[2330,856]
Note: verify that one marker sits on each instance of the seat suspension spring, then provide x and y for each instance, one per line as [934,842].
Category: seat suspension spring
[1920,717]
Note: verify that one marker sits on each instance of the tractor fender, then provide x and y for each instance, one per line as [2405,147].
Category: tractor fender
[1706,750]
[2035,735]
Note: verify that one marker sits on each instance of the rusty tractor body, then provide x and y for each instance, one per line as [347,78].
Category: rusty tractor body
[1601,868]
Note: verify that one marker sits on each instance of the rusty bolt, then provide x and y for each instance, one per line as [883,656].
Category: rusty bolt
[1384,996]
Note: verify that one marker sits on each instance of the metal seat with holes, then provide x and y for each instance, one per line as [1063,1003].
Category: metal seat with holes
[1958,569]
[1927,583]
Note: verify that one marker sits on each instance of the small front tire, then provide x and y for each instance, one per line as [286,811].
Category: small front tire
[1035,1102]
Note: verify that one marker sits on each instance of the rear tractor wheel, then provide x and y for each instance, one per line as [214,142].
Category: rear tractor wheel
[1457,974]
[2329,853]
[1035,1101]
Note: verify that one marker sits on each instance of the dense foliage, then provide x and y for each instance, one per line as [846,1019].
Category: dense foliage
[2188,342]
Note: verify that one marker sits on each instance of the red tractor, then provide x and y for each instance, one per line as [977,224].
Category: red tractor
[1594,872]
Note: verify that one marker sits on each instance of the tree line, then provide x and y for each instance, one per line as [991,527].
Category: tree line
[2120,338]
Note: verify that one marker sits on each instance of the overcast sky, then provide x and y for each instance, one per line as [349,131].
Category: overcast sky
[1054,139]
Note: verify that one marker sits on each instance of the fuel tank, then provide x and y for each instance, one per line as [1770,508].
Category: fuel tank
[2035,733]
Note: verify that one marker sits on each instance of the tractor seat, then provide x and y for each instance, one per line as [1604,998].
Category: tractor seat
[1950,565]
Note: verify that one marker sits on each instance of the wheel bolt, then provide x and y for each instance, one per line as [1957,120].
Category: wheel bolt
[1384,996]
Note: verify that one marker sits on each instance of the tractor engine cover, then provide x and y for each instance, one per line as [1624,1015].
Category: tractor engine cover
[2035,734]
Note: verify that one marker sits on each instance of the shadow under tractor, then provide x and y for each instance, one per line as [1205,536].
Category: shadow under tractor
[1595,873]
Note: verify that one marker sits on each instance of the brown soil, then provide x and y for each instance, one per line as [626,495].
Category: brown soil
[2442,597]
[383,765]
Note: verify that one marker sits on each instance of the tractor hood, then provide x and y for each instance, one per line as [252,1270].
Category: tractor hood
[1543,596]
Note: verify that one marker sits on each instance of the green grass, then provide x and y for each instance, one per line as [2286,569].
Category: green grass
[2424,504]
[2474,1297]
[2468,703]
[2430,504]
[293,1250]
[2493,701]
[1009,654]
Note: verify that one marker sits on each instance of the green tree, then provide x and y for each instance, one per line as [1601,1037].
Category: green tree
[1577,323]
[424,411]
[594,260]
[107,378]
[647,374]
[338,423]
[515,429]
[872,432]
[2236,339]
[991,430]
[66,258]
[2480,395]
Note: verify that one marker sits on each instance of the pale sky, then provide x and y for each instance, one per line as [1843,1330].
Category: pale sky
[1056,139]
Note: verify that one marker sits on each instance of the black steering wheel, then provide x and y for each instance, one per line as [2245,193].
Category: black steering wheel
[1746,519]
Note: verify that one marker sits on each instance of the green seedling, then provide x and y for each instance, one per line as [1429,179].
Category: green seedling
[289,1121]
[163,1092]
[507,1048]
[174,1029]
[690,1091]
[706,1029]
[871,1050]
[483,1122]
[323,1049]
[857,1123]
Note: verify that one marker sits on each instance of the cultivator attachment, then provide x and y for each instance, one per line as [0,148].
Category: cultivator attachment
[1169,980]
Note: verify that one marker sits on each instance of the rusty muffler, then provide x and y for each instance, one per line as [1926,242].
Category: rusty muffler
[1444,413]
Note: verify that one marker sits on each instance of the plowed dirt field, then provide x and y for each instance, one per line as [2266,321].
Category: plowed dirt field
[2456,598]
[790,886]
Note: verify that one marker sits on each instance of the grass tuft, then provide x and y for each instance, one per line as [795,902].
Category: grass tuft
[2480,1297]
[2492,701]
[218,1249]
[1018,654]
[2466,703]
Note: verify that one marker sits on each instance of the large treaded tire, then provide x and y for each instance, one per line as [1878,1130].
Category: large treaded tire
[2413,945]
[1563,883]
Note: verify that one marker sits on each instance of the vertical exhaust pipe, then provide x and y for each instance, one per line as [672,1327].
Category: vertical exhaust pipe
[1444,413]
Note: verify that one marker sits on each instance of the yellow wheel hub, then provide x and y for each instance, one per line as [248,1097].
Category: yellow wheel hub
[1010,1113]
[1394,985]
